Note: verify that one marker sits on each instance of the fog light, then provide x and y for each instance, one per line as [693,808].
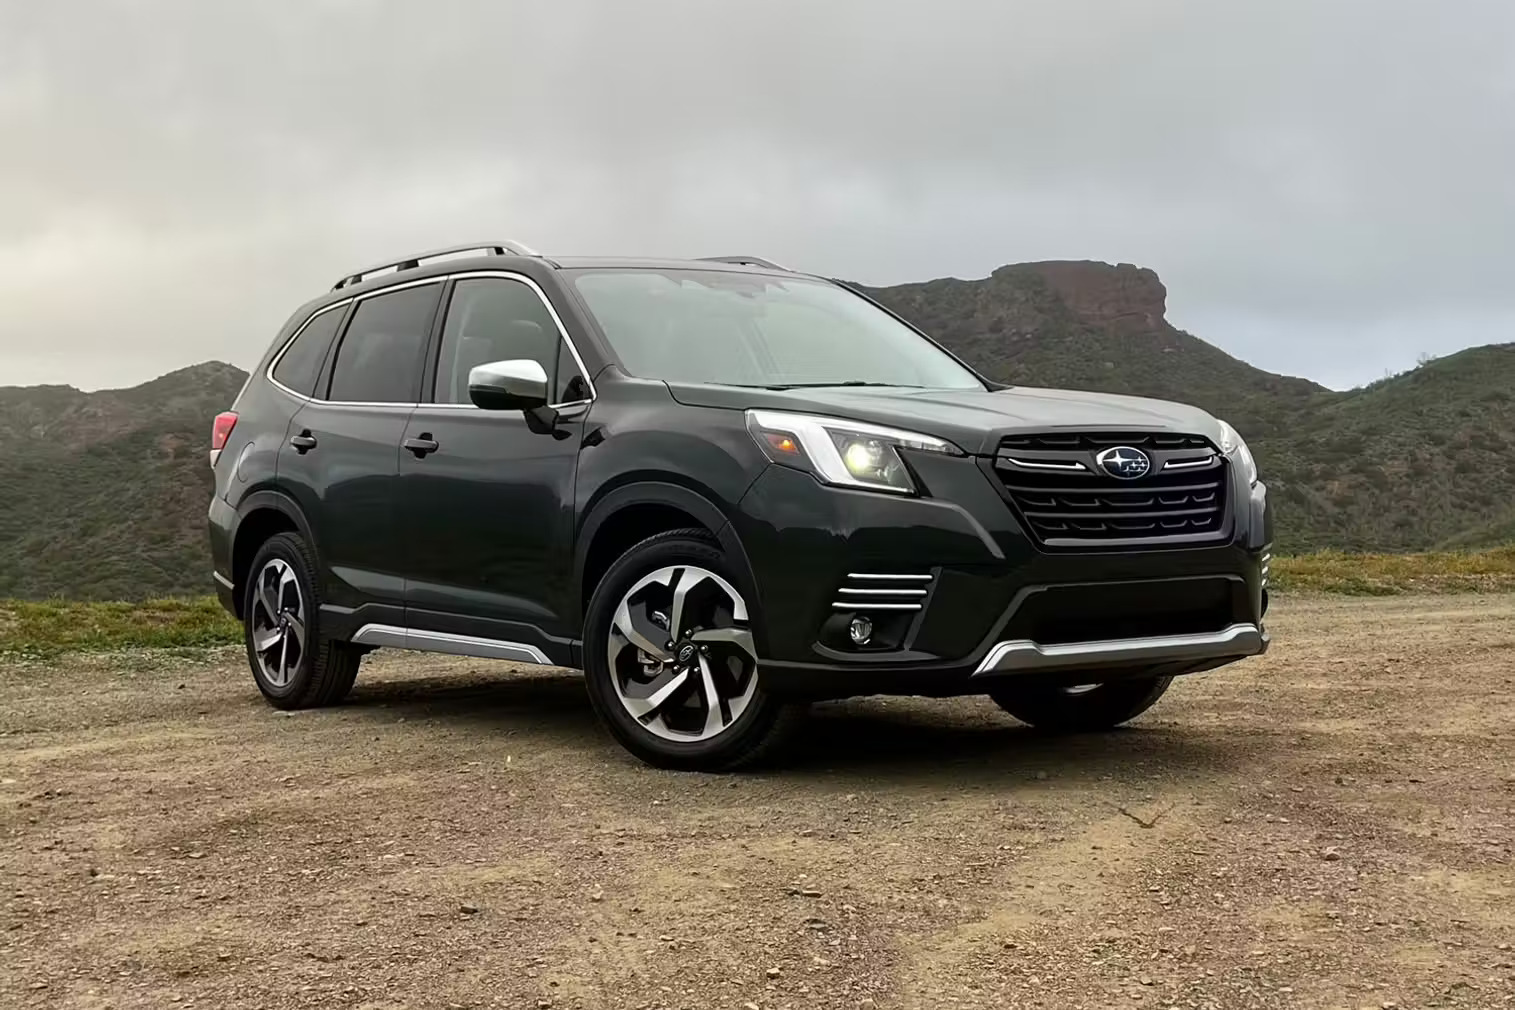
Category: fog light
[860,630]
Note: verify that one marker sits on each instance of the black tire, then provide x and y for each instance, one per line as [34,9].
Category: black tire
[755,735]
[324,672]
[1056,709]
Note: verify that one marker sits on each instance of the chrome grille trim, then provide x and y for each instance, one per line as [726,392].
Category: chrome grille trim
[1065,499]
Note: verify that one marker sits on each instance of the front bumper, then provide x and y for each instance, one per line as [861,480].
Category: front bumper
[992,603]
[1023,655]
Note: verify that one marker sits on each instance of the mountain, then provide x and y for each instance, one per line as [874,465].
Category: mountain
[1087,326]
[103,495]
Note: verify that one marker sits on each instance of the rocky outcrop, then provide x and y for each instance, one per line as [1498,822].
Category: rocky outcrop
[1123,297]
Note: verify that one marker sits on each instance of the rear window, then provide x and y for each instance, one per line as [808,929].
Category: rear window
[300,364]
[380,358]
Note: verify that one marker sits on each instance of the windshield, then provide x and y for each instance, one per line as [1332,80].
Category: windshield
[741,329]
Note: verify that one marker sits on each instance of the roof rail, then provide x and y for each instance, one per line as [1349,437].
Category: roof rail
[501,248]
[745,261]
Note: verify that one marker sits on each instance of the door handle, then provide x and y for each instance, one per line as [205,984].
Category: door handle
[303,442]
[422,446]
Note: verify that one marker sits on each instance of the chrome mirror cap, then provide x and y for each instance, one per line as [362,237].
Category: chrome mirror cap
[518,384]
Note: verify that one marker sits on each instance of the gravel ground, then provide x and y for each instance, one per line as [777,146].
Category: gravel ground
[1329,826]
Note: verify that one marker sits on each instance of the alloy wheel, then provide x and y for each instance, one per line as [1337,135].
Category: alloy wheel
[278,623]
[681,654]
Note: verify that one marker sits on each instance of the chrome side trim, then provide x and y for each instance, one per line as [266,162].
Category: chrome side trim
[1022,655]
[449,644]
[386,635]
[223,580]
[874,575]
[865,605]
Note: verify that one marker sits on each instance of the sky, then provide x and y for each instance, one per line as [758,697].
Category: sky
[1326,187]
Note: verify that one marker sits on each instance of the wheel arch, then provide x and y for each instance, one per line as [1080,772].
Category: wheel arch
[261,515]
[632,513]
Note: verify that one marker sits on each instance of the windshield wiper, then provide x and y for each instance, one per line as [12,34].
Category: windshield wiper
[844,382]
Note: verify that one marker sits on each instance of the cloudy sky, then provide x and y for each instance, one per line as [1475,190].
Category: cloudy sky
[1327,187]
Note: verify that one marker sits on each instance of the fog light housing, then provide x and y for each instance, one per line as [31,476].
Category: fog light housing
[860,630]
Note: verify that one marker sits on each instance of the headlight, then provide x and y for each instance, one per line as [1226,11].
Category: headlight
[847,453]
[1241,457]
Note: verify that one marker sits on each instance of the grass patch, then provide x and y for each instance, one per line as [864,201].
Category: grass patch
[54,626]
[1491,571]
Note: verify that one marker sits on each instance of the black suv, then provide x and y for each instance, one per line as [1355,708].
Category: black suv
[722,489]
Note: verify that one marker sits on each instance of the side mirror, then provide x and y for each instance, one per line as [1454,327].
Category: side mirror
[519,384]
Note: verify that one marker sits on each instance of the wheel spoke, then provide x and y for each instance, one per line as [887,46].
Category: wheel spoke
[267,598]
[715,719]
[739,637]
[628,629]
[642,708]
[265,640]
[297,628]
[686,580]
[284,662]
[287,584]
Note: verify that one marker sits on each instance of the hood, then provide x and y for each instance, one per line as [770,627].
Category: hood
[974,420]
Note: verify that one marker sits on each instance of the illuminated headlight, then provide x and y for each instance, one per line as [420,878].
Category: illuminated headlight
[1241,457]
[847,453]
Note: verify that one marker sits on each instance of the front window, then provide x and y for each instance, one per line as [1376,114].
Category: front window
[741,329]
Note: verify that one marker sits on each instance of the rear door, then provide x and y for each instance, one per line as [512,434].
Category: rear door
[487,498]
[341,457]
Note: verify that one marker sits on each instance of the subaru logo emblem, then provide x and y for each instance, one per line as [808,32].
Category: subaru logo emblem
[1124,462]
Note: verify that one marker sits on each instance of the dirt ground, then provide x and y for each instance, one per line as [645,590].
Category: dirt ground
[1329,826]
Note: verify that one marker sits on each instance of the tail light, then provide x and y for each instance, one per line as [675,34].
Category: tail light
[220,431]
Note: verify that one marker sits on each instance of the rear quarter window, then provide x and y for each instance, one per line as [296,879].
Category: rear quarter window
[300,365]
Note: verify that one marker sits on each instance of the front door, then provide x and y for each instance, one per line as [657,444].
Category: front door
[486,496]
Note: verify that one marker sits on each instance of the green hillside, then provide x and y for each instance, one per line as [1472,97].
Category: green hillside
[103,495]
[1424,459]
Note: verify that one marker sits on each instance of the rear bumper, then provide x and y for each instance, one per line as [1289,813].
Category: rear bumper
[221,522]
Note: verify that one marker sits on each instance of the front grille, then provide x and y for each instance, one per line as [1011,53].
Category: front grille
[1066,498]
